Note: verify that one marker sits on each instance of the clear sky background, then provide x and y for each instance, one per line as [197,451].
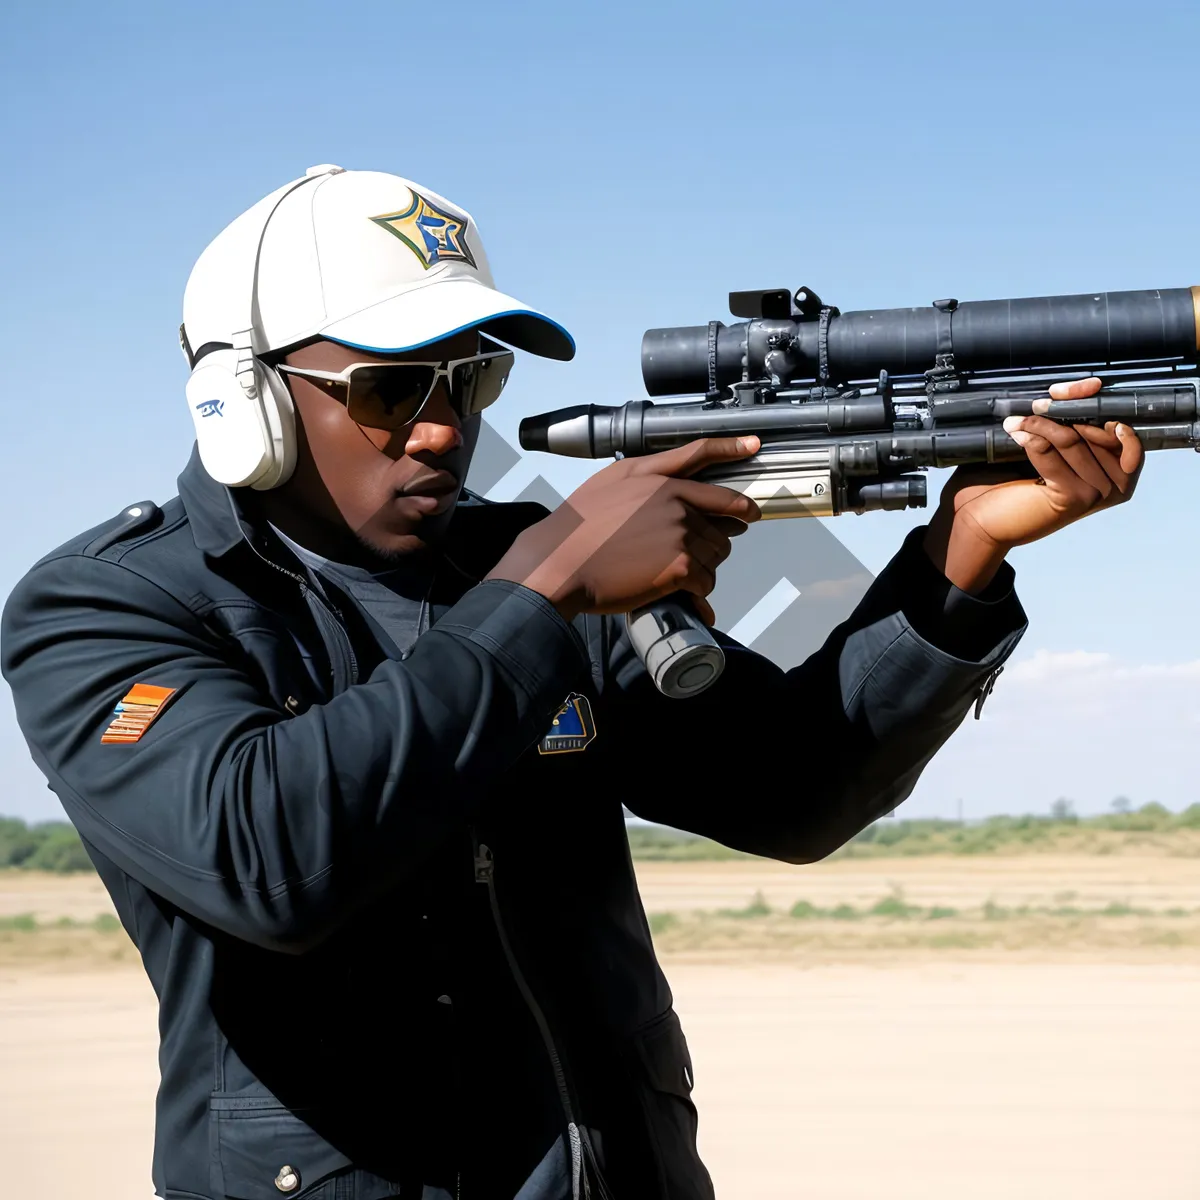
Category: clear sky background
[628,166]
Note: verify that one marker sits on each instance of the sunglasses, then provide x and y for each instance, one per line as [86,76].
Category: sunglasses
[390,395]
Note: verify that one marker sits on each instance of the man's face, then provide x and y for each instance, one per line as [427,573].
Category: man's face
[388,493]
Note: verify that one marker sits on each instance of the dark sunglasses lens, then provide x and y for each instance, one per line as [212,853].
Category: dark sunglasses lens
[388,397]
[478,384]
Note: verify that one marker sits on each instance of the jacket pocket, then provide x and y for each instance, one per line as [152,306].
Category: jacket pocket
[263,1151]
[666,1094]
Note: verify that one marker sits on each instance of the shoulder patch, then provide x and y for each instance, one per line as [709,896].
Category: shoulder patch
[573,728]
[136,711]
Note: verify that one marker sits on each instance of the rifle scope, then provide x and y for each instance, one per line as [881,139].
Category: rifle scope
[794,337]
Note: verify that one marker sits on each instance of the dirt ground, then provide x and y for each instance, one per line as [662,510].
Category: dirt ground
[1155,881]
[1091,881]
[937,1074]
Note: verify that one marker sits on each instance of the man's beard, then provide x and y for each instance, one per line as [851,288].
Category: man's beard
[427,536]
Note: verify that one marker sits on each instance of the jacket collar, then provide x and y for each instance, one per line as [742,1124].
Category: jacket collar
[217,520]
[223,525]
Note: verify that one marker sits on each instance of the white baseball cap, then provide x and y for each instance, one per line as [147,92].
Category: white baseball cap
[364,258]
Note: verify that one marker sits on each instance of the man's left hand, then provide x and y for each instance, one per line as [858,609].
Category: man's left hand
[985,511]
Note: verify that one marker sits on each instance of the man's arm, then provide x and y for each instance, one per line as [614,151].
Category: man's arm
[270,827]
[792,764]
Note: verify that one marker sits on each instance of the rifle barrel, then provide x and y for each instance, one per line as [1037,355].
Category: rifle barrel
[642,427]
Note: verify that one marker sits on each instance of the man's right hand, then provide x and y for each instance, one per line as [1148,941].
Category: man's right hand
[635,532]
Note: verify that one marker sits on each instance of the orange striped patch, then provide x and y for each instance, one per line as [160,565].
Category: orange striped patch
[137,709]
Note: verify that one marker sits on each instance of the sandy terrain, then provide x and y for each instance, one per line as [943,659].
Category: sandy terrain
[49,897]
[78,1074]
[937,1075]
[1155,882]
[971,1082]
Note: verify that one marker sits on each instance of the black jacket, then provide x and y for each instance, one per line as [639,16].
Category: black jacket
[312,843]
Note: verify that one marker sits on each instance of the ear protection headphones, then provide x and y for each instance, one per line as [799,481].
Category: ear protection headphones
[242,410]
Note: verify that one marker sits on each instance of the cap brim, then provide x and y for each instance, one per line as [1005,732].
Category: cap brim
[422,315]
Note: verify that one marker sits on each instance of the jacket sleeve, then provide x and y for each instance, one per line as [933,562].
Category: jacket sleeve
[792,764]
[271,827]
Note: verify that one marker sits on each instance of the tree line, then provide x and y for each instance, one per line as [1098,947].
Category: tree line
[48,846]
[55,846]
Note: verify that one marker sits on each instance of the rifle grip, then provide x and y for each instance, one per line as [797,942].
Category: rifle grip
[676,648]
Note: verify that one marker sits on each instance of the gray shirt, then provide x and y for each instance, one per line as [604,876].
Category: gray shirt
[394,600]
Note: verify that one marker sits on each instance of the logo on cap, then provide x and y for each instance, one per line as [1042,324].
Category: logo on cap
[433,235]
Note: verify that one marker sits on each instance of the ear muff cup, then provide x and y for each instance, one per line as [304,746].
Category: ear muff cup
[244,441]
[280,413]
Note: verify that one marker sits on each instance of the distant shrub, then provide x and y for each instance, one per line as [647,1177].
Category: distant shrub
[893,906]
[805,910]
[60,851]
[1148,819]
[940,912]
[652,843]
[1190,817]
[17,842]
[661,922]
[758,907]
[105,923]
[1063,810]
[50,846]
[21,923]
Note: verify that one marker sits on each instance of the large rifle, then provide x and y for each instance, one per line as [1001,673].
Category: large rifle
[852,408]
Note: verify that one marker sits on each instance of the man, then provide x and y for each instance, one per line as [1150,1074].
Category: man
[349,746]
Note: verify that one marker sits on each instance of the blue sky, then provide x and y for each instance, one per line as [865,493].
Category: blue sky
[628,166]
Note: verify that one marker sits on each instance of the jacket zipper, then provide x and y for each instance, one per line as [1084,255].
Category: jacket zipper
[315,599]
[485,871]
